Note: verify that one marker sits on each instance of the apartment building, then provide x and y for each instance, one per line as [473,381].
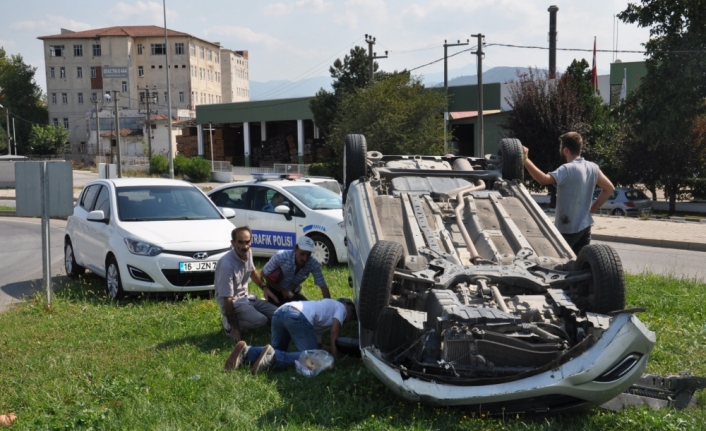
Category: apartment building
[84,66]
[235,74]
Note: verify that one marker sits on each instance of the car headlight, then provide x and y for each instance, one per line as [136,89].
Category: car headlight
[342,225]
[142,248]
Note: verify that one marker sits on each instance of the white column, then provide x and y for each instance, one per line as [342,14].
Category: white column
[263,131]
[300,140]
[199,135]
[317,132]
[246,142]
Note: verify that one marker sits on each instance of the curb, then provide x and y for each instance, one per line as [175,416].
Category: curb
[8,214]
[650,242]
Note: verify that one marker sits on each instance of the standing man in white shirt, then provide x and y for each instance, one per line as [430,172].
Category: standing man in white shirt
[575,180]
[242,311]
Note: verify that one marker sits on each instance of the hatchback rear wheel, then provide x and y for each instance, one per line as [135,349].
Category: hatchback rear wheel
[73,269]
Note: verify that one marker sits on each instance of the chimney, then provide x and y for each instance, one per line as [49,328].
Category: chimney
[552,41]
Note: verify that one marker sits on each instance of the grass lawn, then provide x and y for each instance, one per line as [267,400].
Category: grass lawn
[6,208]
[157,363]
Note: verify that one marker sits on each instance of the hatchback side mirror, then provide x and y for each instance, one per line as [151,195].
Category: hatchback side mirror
[97,215]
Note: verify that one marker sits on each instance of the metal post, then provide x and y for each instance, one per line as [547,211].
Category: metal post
[98,126]
[210,138]
[480,151]
[117,135]
[446,89]
[14,137]
[148,97]
[7,125]
[46,255]
[169,95]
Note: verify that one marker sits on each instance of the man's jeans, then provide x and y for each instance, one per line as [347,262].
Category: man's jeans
[578,240]
[288,324]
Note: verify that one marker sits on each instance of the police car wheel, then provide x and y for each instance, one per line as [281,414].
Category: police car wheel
[323,250]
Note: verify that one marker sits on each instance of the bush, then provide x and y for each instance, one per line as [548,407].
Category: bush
[181,164]
[198,170]
[329,169]
[159,165]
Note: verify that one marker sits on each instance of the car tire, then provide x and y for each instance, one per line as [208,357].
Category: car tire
[73,269]
[354,160]
[376,285]
[324,251]
[618,212]
[113,283]
[606,292]
[512,155]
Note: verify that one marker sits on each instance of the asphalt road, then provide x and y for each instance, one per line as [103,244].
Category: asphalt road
[21,257]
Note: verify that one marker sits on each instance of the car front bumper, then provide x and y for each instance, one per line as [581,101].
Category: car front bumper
[574,379]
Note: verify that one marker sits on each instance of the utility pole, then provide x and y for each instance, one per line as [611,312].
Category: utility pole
[96,101]
[147,100]
[370,40]
[446,89]
[117,133]
[480,149]
[14,138]
[169,93]
[210,137]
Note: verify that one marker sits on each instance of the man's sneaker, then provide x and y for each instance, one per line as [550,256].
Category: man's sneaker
[265,360]
[237,356]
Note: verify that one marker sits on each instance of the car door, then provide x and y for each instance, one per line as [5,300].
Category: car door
[98,233]
[235,198]
[271,231]
[81,228]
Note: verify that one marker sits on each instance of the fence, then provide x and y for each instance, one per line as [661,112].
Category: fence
[277,168]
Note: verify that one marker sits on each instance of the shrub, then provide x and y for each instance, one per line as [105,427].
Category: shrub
[198,170]
[181,164]
[159,165]
[319,170]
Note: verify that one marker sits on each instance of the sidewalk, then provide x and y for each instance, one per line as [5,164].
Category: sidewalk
[652,233]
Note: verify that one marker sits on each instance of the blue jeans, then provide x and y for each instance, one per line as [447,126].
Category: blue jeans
[288,324]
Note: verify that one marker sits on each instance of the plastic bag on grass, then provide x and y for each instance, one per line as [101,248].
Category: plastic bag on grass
[313,362]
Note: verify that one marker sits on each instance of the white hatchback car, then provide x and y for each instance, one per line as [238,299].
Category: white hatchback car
[146,235]
[305,208]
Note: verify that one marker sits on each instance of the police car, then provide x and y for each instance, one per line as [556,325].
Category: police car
[280,208]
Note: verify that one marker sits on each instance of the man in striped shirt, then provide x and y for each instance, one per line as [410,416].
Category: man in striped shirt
[287,270]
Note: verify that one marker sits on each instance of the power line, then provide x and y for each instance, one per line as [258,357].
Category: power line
[564,49]
[442,58]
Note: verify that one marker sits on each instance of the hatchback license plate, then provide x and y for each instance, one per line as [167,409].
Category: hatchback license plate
[197,266]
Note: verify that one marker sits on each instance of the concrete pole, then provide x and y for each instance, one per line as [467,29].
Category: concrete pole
[7,130]
[300,141]
[117,134]
[246,142]
[552,41]
[480,150]
[169,94]
[98,126]
[14,137]
[199,139]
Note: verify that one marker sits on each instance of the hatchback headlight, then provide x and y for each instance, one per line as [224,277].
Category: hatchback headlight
[142,248]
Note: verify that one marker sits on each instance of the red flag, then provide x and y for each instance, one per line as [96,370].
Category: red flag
[594,71]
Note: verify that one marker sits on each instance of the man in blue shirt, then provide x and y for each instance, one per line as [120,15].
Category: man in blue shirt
[286,271]
[277,200]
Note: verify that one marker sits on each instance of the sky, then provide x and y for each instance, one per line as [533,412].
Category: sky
[295,40]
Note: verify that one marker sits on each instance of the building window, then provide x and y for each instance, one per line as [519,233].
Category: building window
[179,48]
[64,98]
[94,97]
[139,49]
[192,49]
[55,121]
[80,98]
[51,72]
[210,55]
[96,50]
[155,96]
[66,123]
[201,51]
[159,49]
[140,71]
[124,87]
[166,97]
[217,57]
[78,50]
[62,72]
[56,50]
[181,97]
[79,72]
[53,98]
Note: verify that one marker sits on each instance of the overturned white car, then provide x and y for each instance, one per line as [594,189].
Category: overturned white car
[468,295]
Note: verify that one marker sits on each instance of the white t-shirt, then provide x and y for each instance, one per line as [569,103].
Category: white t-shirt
[321,313]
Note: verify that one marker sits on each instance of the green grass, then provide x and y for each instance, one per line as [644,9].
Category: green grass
[156,363]
[6,208]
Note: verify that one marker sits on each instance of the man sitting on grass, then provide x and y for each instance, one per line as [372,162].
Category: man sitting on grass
[302,322]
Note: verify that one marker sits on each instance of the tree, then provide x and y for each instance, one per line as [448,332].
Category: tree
[48,139]
[22,96]
[397,115]
[3,141]
[542,110]
[670,98]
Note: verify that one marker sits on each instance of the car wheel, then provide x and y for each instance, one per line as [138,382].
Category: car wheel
[112,279]
[354,160]
[377,283]
[618,212]
[512,154]
[73,269]
[606,292]
[323,250]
